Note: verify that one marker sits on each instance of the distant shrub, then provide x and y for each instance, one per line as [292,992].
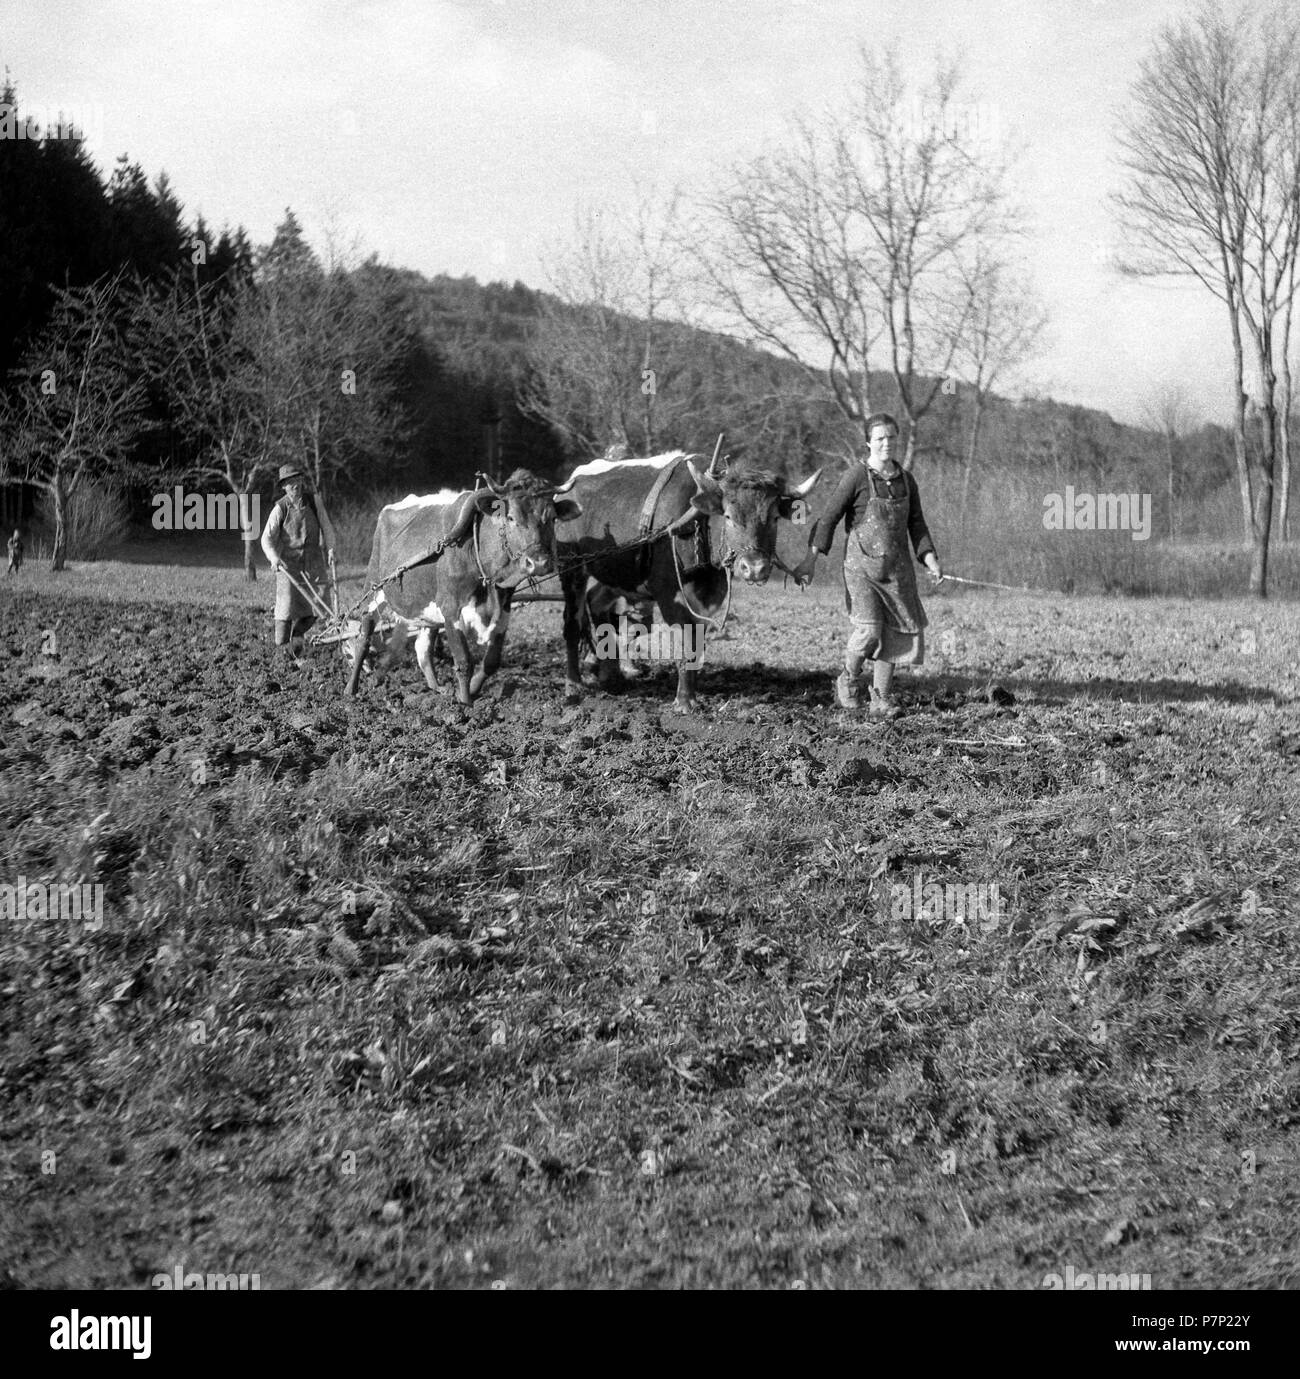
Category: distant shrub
[1000,537]
[96,517]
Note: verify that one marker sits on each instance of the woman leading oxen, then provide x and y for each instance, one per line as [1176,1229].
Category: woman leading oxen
[880,506]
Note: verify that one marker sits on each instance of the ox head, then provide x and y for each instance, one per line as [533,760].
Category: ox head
[752,501]
[522,513]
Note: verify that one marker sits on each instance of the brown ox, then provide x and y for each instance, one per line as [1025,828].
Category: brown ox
[676,570]
[460,558]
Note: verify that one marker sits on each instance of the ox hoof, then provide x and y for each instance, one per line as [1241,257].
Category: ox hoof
[573,694]
[686,705]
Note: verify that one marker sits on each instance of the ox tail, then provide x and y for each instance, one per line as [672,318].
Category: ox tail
[359,655]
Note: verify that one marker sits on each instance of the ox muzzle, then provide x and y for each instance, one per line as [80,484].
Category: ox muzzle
[536,561]
[753,567]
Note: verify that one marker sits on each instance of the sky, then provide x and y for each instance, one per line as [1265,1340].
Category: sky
[460,136]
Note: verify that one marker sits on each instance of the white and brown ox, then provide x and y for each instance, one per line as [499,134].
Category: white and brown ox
[460,557]
[625,500]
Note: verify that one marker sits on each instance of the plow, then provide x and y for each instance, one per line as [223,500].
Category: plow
[342,628]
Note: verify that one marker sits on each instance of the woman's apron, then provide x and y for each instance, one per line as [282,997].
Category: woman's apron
[879,579]
[299,549]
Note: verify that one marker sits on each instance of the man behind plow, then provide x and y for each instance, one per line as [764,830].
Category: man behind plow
[292,542]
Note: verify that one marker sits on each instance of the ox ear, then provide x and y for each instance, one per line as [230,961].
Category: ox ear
[708,492]
[488,503]
[566,509]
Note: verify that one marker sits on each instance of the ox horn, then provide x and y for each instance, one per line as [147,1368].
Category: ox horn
[493,488]
[705,480]
[565,486]
[804,489]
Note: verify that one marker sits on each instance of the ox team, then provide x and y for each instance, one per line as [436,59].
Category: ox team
[624,537]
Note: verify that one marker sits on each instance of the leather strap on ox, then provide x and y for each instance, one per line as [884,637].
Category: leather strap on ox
[646,522]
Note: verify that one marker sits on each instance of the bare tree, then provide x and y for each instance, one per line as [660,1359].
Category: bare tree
[299,365]
[203,349]
[1006,321]
[851,245]
[601,371]
[1170,412]
[74,410]
[334,338]
[1212,148]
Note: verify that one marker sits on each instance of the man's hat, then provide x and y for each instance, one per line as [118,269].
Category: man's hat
[291,471]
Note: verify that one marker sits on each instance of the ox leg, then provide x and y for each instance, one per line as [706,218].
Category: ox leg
[640,622]
[459,648]
[393,651]
[607,675]
[573,606]
[607,666]
[632,631]
[491,663]
[423,650]
[688,668]
[359,654]
[690,635]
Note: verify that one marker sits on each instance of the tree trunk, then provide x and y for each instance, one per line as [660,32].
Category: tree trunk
[649,385]
[60,524]
[1263,524]
[250,568]
[1169,455]
[649,424]
[1239,422]
[1259,544]
[1284,498]
[971,448]
[909,451]
[1284,442]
